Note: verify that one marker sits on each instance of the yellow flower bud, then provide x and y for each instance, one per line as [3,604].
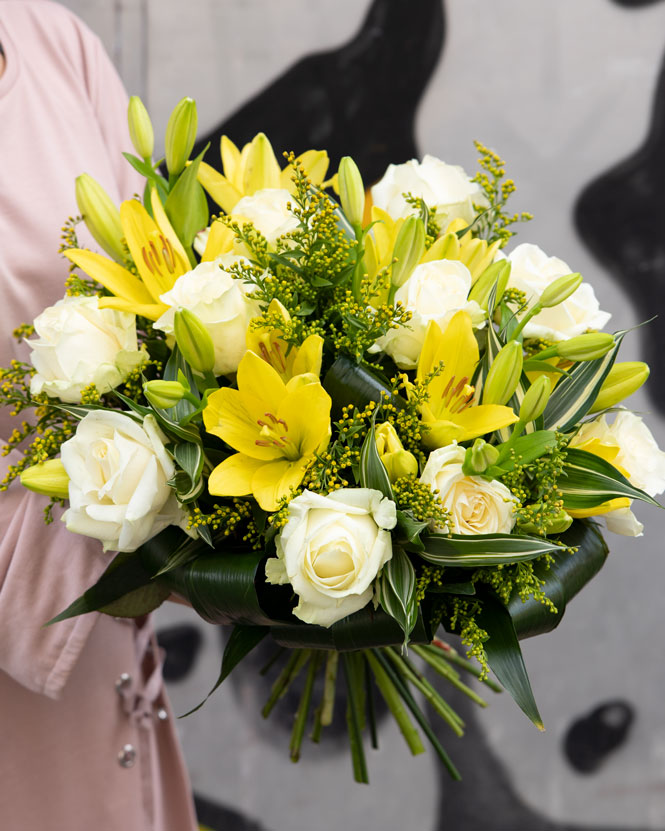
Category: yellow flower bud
[560,290]
[585,347]
[164,394]
[621,381]
[194,341]
[100,215]
[351,191]
[535,399]
[504,374]
[180,135]
[554,525]
[49,478]
[397,461]
[409,248]
[498,273]
[479,457]
[140,128]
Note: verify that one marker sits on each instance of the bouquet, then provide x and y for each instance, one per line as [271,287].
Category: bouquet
[345,421]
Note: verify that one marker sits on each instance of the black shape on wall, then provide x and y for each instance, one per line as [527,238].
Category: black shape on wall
[359,100]
[635,4]
[621,218]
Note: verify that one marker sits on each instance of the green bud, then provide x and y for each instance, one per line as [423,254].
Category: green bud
[504,374]
[621,381]
[535,400]
[397,461]
[164,394]
[351,191]
[180,135]
[479,457]
[560,290]
[585,347]
[194,341]
[498,273]
[100,215]
[409,248]
[555,525]
[140,128]
[48,478]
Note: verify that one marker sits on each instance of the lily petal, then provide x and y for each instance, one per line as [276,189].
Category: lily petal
[219,187]
[114,277]
[233,477]
[273,481]
[470,423]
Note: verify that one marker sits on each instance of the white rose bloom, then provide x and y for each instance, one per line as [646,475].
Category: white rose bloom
[331,550]
[118,472]
[434,291]
[475,505]
[80,344]
[222,303]
[267,211]
[531,272]
[445,186]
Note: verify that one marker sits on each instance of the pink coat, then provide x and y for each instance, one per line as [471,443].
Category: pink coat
[87,737]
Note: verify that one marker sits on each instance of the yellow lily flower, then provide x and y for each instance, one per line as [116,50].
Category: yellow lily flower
[254,168]
[286,360]
[276,428]
[157,253]
[450,412]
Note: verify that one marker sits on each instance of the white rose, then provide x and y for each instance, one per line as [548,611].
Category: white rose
[445,186]
[531,272]
[221,302]
[475,505]
[434,291]
[331,550]
[266,210]
[80,344]
[118,472]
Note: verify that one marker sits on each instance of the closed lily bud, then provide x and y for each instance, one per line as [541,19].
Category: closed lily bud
[140,128]
[498,273]
[504,374]
[164,394]
[409,248]
[585,347]
[49,478]
[351,191]
[194,341]
[479,457]
[397,461]
[556,525]
[560,290]
[100,215]
[180,135]
[622,381]
[535,400]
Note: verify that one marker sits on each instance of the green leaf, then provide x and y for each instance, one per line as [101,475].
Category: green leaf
[373,473]
[186,205]
[354,715]
[189,456]
[142,167]
[588,481]
[411,528]
[349,383]
[527,449]
[505,656]
[483,549]
[132,405]
[175,364]
[534,365]
[397,591]
[139,602]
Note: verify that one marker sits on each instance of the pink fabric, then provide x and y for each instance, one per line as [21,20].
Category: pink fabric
[63,723]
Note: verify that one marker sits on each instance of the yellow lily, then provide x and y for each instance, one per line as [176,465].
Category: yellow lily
[158,255]
[253,168]
[450,412]
[276,428]
[286,360]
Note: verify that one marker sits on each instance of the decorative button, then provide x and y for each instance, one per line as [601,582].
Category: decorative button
[162,715]
[127,756]
[123,681]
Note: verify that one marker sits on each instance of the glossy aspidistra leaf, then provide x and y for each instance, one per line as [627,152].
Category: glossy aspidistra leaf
[477,550]
[588,481]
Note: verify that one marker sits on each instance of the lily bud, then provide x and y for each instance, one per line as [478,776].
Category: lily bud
[560,290]
[556,525]
[100,215]
[49,478]
[535,399]
[504,374]
[585,347]
[621,381]
[164,394]
[397,461]
[409,248]
[180,135]
[498,273]
[194,341]
[479,457]
[140,128]
[351,191]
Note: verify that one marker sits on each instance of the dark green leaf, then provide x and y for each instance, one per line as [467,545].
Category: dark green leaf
[588,481]
[397,591]
[411,528]
[349,383]
[354,715]
[373,473]
[139,602]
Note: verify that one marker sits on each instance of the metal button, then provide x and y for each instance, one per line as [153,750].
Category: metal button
[162,715]
[127,756]
[123,681]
